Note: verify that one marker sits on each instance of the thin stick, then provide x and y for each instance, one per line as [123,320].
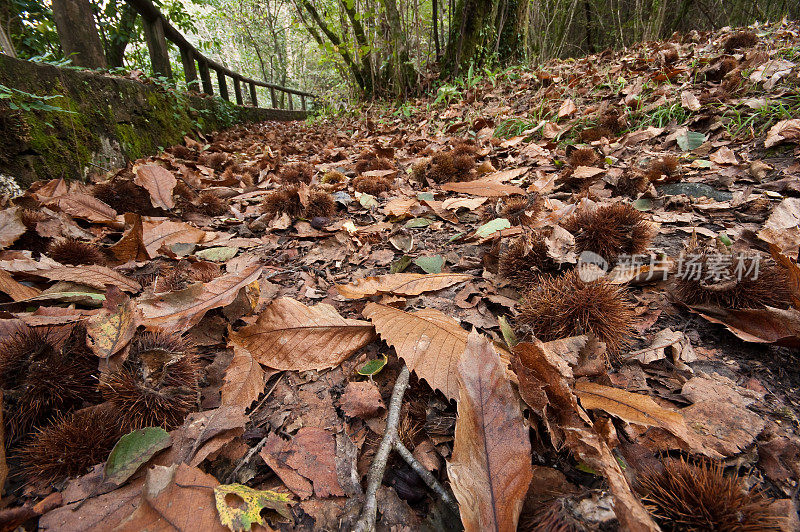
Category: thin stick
[426,475]
[230,478]
[366,523]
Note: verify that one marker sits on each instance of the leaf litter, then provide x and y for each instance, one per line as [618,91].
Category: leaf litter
[425,321]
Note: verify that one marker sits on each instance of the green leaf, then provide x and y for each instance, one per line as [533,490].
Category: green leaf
[489,228]
[373,367]
[417,223]
[248,510]
[133,450]
[724,239]
[508,332]
[217,254]
[425,196]
[430,264]
[691,140]
[367,200]
[643,204]
[400,264]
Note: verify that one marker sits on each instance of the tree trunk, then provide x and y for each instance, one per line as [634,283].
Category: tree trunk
[120,37]
[78,33]
[5,43]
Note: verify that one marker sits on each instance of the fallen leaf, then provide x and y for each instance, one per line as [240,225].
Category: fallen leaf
[291,336]
[567,108]
[403,284]
[429,342]
[15,290]
[92,275]
[763,326]
[453,204]
[11,228]
[159,182]
[183,309]
[157,234]
[689,101]
[782,131]
[108,331]
[490,468]
[483,187]
[361,399]
[782,228]
[585,172]
[430,264]
[724,155]
[244,380]
[131,246]
[132,451]
[85,207]
[249,510]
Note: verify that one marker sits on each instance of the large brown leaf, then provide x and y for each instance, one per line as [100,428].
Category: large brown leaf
[782,228]
[85,207]
[401,284]
[490,468]
[168,232]
[108,331]
[764,326]
[131,246]
[632,407]
[483,187]
[543,375]
[182,309]
[159,182]
[291,336]
[15,290]
[429,342]
[92,275]
[11,228]
[244,380]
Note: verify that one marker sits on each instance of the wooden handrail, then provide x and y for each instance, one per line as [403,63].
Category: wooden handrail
[157,29]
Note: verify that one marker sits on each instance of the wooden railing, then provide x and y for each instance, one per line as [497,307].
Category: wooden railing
[158,31]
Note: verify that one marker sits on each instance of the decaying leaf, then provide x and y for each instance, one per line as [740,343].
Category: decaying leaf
[241,518]
[182,309]
[488,188]
[108,331]
[131,246]
[92,275]
[782,228]
[244,380]
[401,284]
[16,291]
[490,468]
[11,228]
[132,451]
[783,131]
[166,233]
[762,326]
[85,207]
[159,182]
[291,336]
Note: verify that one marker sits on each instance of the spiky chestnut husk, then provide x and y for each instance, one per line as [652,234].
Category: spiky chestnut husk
[284,200]
[595,133]
[210,204]
[463,164]
[43,374]
[525,260]
[663,170]
[123,195]
[320,204]
[182,152]
[31,217]
[610,230]
[742,39]
[465,147]
[71,445]
[699,496]
[184,191]
[215,160]
[718,71]
[156,385]
[184,273]
[371,162]
[296,173]
[74,252]
[610,120]
[522,210]
[333,176]
[632,184]
[769,288]
[583,157]
[550,516]
[562,306]
[372,185]
[441,168]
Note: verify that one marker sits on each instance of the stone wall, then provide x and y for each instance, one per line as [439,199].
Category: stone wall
[103,121]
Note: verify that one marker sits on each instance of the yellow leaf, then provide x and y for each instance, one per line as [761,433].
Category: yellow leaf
[247,512]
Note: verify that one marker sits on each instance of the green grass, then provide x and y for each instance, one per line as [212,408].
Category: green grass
[744,122]
[661,116]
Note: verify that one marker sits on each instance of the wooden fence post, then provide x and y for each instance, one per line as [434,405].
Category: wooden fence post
[237,90]
[205,76]
[291,104]
[303,101]
[157,46]
[223,86]
[189,70]
[253,97]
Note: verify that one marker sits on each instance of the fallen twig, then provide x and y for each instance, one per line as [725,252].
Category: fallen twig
[366,523]
[426,475]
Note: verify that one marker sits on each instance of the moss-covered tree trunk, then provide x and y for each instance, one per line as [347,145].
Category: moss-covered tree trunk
[483,30]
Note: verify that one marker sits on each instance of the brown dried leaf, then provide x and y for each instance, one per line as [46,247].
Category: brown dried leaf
[631,407]
[108,331]
[288,335]
[792,270]
[93,275]
[11,228]
[402,284]
[244,380]
[156,234]
[159,182]
[183,309]
[429,342]
[488,188]
[783,130]
[763,326]
[15,290]
[782,228]
[85,207]
[131,246]
[542,372]
[490,468]
[361,399]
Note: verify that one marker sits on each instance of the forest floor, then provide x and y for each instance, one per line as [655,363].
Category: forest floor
[589,268]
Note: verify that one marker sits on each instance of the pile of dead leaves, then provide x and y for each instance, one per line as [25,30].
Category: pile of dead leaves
[217,336]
